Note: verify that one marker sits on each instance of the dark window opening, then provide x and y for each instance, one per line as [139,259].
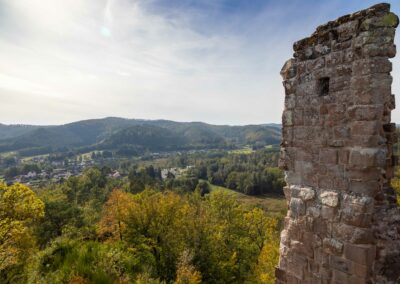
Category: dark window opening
[323,86]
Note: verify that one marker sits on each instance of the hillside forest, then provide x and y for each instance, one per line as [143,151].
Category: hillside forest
[217,223]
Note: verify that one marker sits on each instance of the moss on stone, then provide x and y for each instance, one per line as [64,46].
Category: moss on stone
[389,20]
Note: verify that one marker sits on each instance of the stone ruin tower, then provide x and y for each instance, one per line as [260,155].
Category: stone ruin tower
[343,224]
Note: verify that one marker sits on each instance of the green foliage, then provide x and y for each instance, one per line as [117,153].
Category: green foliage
[22,170]
[396,184]
[186,273]
[130,136]
[19,208]
[146,137]
[252,174]
[59,213]
[11,131]
[93,262]
[182,185]
[91,186]
[203,188]
[147,231]
[224,238]
[140,178]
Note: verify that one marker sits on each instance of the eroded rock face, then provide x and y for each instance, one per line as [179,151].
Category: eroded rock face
[343,225]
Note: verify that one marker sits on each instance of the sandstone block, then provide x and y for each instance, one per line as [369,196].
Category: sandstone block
[328,212]
[352,234]
[297,207]
[297,266]
[285,238]
[320,227]
[332,246]
[368,187]
[343,156]
[290,86]
[347,30]
[362,236]
[340,263]
[341,132]
[280,275]
[361,254]
[328,156]
[325,181]
[353,218]
[372,65]
[339,277]
[355,279]
[360,271]
[301,248]
[365,128]
[330,198]
[289,69]
[321,49]
[388,20]
[361,158]
[292,177]
[336,143]
[298,117]
[379,37]
[316,64]
[373,49]
[315,212]
[358,204]
[334,58]
[306,193]
[287,118]
[290,101]
[365,112]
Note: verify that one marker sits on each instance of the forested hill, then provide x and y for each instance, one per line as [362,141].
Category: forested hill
[133,135]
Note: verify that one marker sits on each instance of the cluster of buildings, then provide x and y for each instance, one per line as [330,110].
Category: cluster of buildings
[174,172]
[59,173]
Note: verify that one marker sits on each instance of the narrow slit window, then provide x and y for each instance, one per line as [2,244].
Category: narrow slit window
[323,86]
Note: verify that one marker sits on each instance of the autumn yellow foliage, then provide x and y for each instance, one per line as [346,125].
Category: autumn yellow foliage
[396,184]
[186,273]
[19,206]
[115,213]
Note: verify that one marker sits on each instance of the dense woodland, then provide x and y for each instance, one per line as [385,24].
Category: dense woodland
[93,229]
[254,174]
[131,136]
[141,228]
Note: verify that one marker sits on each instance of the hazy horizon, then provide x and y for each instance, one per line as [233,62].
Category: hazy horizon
[126,118]
[214,61]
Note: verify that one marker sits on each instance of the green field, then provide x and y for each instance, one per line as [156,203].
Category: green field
[28,159]
[274,204]
[8,154]
[245,150]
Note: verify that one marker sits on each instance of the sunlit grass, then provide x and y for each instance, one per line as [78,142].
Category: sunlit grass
[274,204]
[8,154]
[244,151]
[30,158]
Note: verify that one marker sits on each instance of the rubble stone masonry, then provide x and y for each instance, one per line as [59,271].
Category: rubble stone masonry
[343,224]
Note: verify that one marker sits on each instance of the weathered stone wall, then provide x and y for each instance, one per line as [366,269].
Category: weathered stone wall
[343,225]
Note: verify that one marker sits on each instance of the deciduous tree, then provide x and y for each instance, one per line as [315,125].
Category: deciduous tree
[19,207]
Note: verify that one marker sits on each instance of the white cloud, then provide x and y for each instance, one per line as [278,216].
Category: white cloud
[120,58]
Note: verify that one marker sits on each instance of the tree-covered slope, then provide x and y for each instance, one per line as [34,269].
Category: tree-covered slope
[114,133]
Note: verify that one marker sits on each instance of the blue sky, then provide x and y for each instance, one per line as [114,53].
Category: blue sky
[206,60]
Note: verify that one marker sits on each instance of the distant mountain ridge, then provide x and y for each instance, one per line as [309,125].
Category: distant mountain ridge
[114,133]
